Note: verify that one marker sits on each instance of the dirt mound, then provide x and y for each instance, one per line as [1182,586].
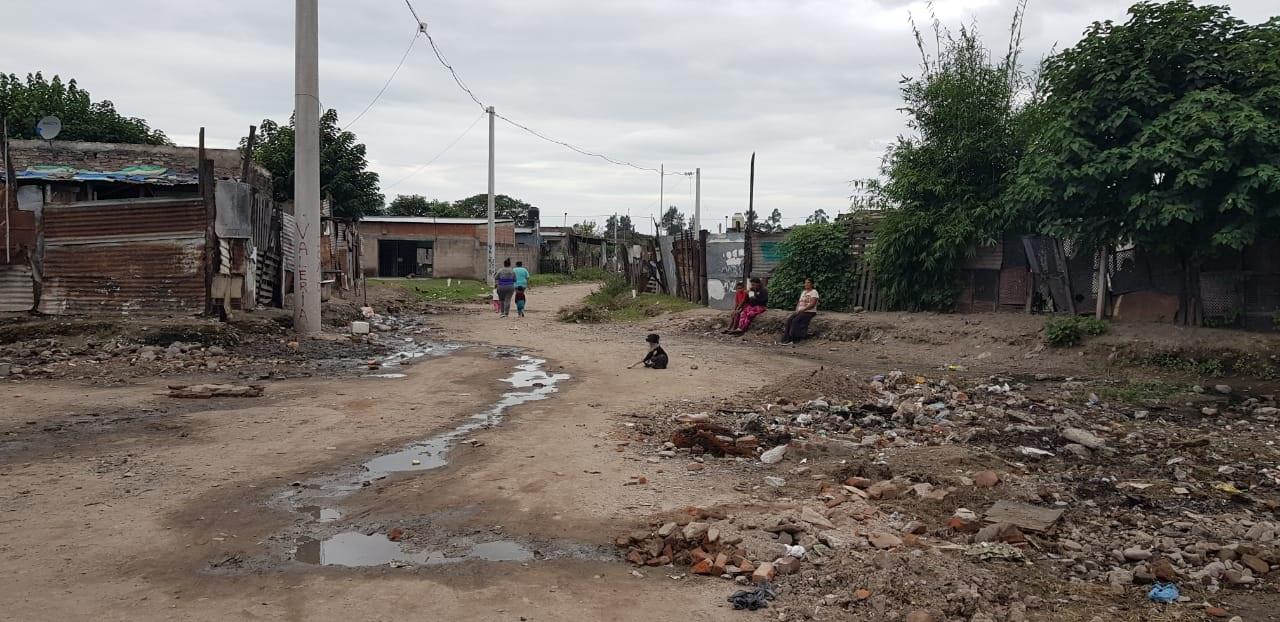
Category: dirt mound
[829,384]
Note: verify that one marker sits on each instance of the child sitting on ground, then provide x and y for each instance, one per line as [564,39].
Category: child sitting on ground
[656,358]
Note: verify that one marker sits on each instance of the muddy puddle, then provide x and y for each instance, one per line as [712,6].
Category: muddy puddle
[316,499]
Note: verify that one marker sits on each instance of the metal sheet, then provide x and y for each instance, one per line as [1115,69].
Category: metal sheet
[124,277]
[725,258]
[766,253]
[98,219]
[17,289]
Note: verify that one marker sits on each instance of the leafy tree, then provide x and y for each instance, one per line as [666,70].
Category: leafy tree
[1163,131]
[477,206]
[622,224]
[819,217]
[820,252]
[418,205]
[774,222]
[672,221]
[344,174]
[25,102]
[587,228]
[943,184]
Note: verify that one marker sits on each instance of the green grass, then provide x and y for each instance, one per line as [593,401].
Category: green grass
[613,303]
[577,276]
[1066,331]
[1136,391]
[440,290]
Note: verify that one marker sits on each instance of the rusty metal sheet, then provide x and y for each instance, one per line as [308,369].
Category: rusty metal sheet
[133,277]
[17,288]
[90,220]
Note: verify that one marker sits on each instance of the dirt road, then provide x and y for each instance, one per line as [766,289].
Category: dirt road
[123,503]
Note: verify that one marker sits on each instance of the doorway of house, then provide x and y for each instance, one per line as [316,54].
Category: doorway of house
[401,258]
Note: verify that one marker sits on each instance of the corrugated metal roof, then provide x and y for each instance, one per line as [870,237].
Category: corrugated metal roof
[149,175]
[434,220]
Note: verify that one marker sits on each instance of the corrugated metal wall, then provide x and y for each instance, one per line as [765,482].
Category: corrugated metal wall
[17,291]
[131,257]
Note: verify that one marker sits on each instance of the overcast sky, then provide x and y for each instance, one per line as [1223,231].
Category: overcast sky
[810,85]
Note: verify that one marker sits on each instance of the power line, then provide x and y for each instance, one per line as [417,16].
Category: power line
[422,27]
[388,82]
[437,156]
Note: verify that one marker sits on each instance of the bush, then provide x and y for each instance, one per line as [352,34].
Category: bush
[1071,330]
[820,252]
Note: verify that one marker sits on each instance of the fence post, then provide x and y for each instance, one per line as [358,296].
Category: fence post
[705,295]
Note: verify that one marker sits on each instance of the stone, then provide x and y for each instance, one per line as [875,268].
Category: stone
[1266,411]
[812,517]
[837,539]
[694,531]
[1217,612]
[1136,554]
[1209,411]
[920,615]
[721,563]
[1083,437]
[776,482]
[1078,450]
[787,565]
[882,540]
[964,520]
[695,466]
[704,567]
[667,529]
[636,557]
[986,479]
[884,490]
[858,482]
[1162,569]
[861,593]
[1224,389]
[1255,563]
[1000,532]
[775,455]
[1120,577]
[764,572]
[1017,613]
[915,527]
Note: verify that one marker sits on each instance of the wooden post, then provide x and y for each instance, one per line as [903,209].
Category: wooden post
[204,170]
[246,160]
[1100,310]
[751,219]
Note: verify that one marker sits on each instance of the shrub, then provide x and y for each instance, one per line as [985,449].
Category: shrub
[1071,330]
[820,252]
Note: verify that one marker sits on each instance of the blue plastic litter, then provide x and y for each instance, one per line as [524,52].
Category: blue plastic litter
[1163,593]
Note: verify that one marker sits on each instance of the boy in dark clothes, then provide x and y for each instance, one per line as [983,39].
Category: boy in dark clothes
[657,357]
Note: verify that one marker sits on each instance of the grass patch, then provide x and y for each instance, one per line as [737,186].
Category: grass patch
[1063,331]
[443,290]
[1212,364]
[613,303]
[1138,391]
[577,276]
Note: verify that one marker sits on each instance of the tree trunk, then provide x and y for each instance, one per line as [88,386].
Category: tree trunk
[1190,304]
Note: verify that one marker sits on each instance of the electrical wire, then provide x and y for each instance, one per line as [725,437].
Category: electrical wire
[388,82]
[422,27]
[437,156]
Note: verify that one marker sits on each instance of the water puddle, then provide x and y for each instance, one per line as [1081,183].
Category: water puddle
[407,353]
[358,550]
[315,498]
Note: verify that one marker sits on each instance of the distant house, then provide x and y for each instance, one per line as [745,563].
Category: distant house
[400,246]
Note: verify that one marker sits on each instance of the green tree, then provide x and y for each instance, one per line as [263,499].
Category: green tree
[344,174]
[672,222]
[942,191]
[820,252]
[418,205]
[587,228]
[622,224]
[24,102]
[1163,131]
[477,206]
[819,217]
[773,223]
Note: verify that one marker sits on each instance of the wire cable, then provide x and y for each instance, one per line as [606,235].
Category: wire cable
[388,82]
[437,156]
[422,27]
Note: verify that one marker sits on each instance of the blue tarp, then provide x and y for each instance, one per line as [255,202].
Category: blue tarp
[151,175]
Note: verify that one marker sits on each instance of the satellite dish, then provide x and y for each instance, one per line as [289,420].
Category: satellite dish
[48,128]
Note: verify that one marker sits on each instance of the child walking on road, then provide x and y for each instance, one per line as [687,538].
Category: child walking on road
[520,301]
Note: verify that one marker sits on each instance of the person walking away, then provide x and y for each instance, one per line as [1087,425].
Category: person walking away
[656,358]
[797,325]
[739,299]
[497,302]
[506,279]
[757,302]
[522,284]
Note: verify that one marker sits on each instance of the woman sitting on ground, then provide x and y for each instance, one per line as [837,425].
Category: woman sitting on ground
[757,302]
[739,300]
[797,324]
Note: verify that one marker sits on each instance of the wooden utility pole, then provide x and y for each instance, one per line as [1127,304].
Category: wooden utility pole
[751,219]
[1100,311]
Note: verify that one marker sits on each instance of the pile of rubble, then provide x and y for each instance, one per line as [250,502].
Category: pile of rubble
[1001,478]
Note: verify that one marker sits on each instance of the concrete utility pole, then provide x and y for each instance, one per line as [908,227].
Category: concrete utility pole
[306,155]
[662,189]
[697,200]
[490,257]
